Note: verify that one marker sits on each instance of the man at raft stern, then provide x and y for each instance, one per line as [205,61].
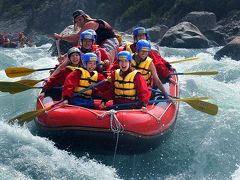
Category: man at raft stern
[106,37]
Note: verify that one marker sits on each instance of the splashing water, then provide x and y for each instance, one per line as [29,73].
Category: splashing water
[24,156]
[200,147]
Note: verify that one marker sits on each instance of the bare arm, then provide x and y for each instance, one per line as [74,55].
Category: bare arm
[69,38]
[157,80]
[64,64]
[75,37]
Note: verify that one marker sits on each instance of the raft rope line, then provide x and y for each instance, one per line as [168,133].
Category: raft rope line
[154,116]
[116,127]
[115,124]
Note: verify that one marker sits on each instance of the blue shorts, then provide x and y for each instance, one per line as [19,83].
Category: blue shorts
[81,101]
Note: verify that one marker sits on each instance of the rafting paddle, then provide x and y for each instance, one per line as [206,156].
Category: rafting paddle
[58,47]
[29,82]
[20,86]
[185,60]
[14,87]
[203,106]
[28,116]
[21,71]
[194,102]
[197,73]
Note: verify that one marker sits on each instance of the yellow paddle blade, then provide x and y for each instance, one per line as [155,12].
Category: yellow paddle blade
[191,99]
[18,71]
[28,116]
[201,73]
[203,106]
[29,82]
[185,60]
[13,87]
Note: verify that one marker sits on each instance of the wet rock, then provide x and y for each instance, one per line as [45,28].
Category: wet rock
[156,32]
[217,38]
[231,50]
[202,19]
[184,35]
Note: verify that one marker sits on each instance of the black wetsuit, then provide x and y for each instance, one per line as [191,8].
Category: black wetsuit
[103,32]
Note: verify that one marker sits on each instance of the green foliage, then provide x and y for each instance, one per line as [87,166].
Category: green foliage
[18,7]
[128,13]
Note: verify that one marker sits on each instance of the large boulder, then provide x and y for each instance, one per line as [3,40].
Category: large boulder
[217,38]
[231,50]
[230,25]
[203,20]
[184,35]
[156,32]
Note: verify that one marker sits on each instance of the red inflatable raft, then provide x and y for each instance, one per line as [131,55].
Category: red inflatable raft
[133,127]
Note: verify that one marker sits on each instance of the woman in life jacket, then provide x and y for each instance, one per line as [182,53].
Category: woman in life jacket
[80,79]
[144,64]
[106,37]
[127,85]
[53,86]
[162,66]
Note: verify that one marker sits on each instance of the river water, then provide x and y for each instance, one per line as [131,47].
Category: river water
[200,147]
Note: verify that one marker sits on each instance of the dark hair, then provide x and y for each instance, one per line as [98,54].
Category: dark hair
[78,13]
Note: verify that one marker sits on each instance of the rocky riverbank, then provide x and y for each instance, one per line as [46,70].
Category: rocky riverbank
[185,28]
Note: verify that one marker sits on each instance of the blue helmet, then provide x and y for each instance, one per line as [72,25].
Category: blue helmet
[124,55]
[73,50]
[140,30]
[87,35]
[89,57]
[143,45]
[92,31]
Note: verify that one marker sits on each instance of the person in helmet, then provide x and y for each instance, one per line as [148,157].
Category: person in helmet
[7,43]
[127,85]
[144,64]
[52,86]
[94,33]
[106,37]
[23,40]
[80,79]
[162,66]
[87,40]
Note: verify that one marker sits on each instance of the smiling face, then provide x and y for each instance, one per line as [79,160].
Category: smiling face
[124,65]
[141,36]
[75,58]
[80,20]
[143,54]
[91,66]
[87,43]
